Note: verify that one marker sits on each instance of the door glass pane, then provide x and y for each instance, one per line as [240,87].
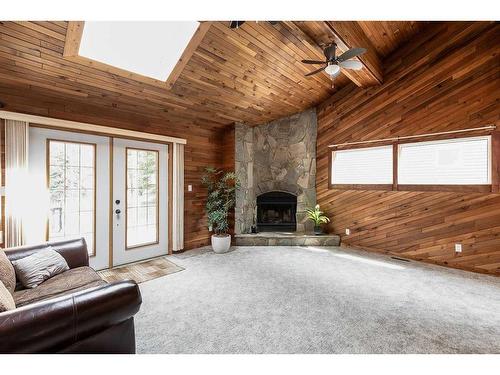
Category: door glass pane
[72,191]
[142,197]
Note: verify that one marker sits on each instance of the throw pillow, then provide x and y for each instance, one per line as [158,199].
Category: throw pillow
[6,299]
[7,273]
[38,267]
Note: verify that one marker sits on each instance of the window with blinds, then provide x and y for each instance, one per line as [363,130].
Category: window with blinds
[464,161]
[372,165]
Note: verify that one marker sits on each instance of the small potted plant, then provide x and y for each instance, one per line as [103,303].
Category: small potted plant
[316,216]
[221,187]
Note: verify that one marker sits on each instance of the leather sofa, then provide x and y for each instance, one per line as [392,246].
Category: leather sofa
[73,312]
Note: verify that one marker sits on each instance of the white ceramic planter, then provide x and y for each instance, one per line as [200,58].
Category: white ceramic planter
[221,244]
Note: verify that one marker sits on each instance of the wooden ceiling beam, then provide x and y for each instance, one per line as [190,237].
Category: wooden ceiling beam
[193,44]
[73,37]
[349,34]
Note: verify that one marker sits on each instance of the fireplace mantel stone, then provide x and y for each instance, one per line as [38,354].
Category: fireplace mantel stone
[277,156]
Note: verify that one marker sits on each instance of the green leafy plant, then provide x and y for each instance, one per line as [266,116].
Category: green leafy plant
[316,215]
[221,188]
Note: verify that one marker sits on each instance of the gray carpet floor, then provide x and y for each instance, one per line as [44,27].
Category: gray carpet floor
[316,300]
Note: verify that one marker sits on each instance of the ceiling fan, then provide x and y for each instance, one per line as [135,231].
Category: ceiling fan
[333,64]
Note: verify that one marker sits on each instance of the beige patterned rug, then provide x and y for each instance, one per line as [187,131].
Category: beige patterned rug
[142,271]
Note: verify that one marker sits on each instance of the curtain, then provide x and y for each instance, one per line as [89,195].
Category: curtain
[16,181]
[178,197]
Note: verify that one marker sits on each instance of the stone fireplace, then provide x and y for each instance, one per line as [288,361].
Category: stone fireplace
[277,157]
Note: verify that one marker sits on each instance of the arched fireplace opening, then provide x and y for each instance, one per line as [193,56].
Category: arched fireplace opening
[276,212]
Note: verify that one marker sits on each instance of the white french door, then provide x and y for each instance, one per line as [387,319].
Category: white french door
[140,200]
[74,167]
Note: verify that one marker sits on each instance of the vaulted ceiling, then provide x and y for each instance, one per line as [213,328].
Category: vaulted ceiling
[252,74]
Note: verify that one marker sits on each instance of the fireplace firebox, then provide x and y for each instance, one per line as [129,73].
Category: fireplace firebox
[276,212]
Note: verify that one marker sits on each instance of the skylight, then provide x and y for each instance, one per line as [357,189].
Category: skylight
[151,49]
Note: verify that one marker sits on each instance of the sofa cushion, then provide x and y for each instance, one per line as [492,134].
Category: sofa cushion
[38,267]
[67,282]
[7,273]
[6,300]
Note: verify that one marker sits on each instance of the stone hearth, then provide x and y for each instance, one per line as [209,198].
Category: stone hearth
[277,156]
[285,239]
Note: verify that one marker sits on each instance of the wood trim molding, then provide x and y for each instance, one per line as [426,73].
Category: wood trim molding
[395,162]
[72,45]
[91,128]
[158,199]
[73,37]
[385,187]
[451,134]
[47,180]
[395,186]
[195,41]
[111,196]
[495,159]
[170,187]
[448,188]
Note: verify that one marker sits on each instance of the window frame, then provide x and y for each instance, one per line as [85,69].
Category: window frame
[358,186]
[494,165]
[157,240]
[47,165]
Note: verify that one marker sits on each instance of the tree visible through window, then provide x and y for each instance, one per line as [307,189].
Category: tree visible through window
[142,197]
[72,191]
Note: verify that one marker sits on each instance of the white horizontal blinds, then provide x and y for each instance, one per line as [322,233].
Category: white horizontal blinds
[371,165]
[464,161]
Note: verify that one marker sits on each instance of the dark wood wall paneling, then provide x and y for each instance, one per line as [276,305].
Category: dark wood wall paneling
[227,157]
[446,78]
[203,147]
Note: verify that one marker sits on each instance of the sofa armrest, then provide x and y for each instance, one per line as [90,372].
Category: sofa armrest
[73,251]
[50,326]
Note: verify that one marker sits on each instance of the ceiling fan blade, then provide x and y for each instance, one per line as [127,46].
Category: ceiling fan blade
[329,52]
[312,62]
[236,24]
[351,64]
[315,71]
[353,52]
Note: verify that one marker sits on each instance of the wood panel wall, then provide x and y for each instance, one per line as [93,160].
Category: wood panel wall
[203,145]
[227,161]
[446,78]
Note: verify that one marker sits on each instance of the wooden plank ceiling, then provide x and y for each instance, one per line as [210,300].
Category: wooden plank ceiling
[252,74]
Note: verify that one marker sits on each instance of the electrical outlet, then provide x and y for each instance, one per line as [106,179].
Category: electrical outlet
[347,231]
[190,187]
[458,247]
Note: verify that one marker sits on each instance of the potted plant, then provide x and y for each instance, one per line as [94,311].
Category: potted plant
[221,188]
[316,215]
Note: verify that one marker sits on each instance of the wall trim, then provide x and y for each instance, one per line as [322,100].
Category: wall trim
[93,128]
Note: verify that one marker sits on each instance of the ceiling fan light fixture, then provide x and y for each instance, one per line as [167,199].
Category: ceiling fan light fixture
[332,69]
